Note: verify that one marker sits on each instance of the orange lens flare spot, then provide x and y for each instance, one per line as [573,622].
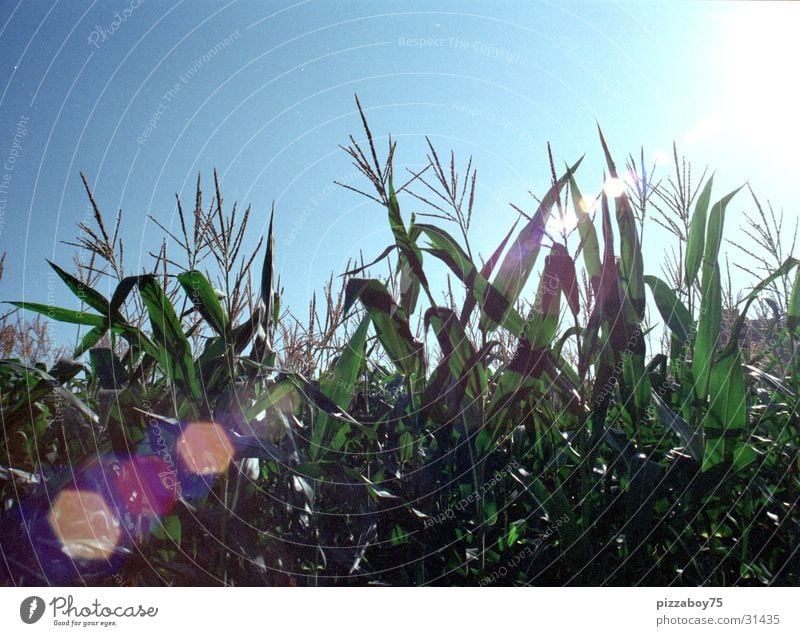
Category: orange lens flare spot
[614,187]
[84,524]
[205,449]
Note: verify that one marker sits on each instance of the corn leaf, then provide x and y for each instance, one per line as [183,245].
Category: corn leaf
[692,438]
[495,307]
[631,267]
[697,232]
[173,349]
[411,256]
[339,386]
[672,310]
[204,298]
[708,328]
[708,332]
[588,235]
[521,257]
[270,396]
[457,350]
[793,317]
[86,294]
[726,418]
[486,272]
[91,338]
[62,314]
[390,323]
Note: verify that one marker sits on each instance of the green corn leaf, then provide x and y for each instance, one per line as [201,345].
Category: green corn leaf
[45,383]
[486,272]
[267,268]
[169,529]
[672,310]
[457,350]
[521,257]
[123,290]
[271,396]
[542,323]
[110,318]
[708,328]
[631,267]
[588,236]
[708,332]
[410,283]
[692,438]
[204,298]
[267,281]
[91,338]
[726,419]
[635,385]
[266,310]
[107,369]
[339,387]
[716,224]
[411,256]
[358,270]
[86,294]
[563,267]
[136,339]
[697,231]
[64,315]
[560,510]
[495,308]
[510,386]
[324,404]
[391,325]
[172,347]
[793,317]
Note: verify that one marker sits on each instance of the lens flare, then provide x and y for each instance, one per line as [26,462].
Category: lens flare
[588,203]
[614,187]
[660,158]
[147,485]
[562,224]
[204,448]
[84,524]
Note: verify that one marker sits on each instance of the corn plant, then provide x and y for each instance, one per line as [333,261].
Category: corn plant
[498,437]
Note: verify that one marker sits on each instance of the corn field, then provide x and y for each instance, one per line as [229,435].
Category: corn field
[557,415]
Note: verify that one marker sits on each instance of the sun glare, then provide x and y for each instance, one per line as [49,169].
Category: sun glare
[614,187]
[588,203]
[756,59]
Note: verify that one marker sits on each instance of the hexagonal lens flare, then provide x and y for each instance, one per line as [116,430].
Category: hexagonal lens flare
[204,448]
[85,524]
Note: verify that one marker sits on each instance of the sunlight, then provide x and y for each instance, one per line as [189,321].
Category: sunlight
[660,158]
[588,203]
[614,187]
[563,224]
[758,98]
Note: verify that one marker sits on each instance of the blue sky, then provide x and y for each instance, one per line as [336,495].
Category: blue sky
[142,95]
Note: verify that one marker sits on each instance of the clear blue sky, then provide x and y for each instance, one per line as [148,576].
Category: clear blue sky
[265,94]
